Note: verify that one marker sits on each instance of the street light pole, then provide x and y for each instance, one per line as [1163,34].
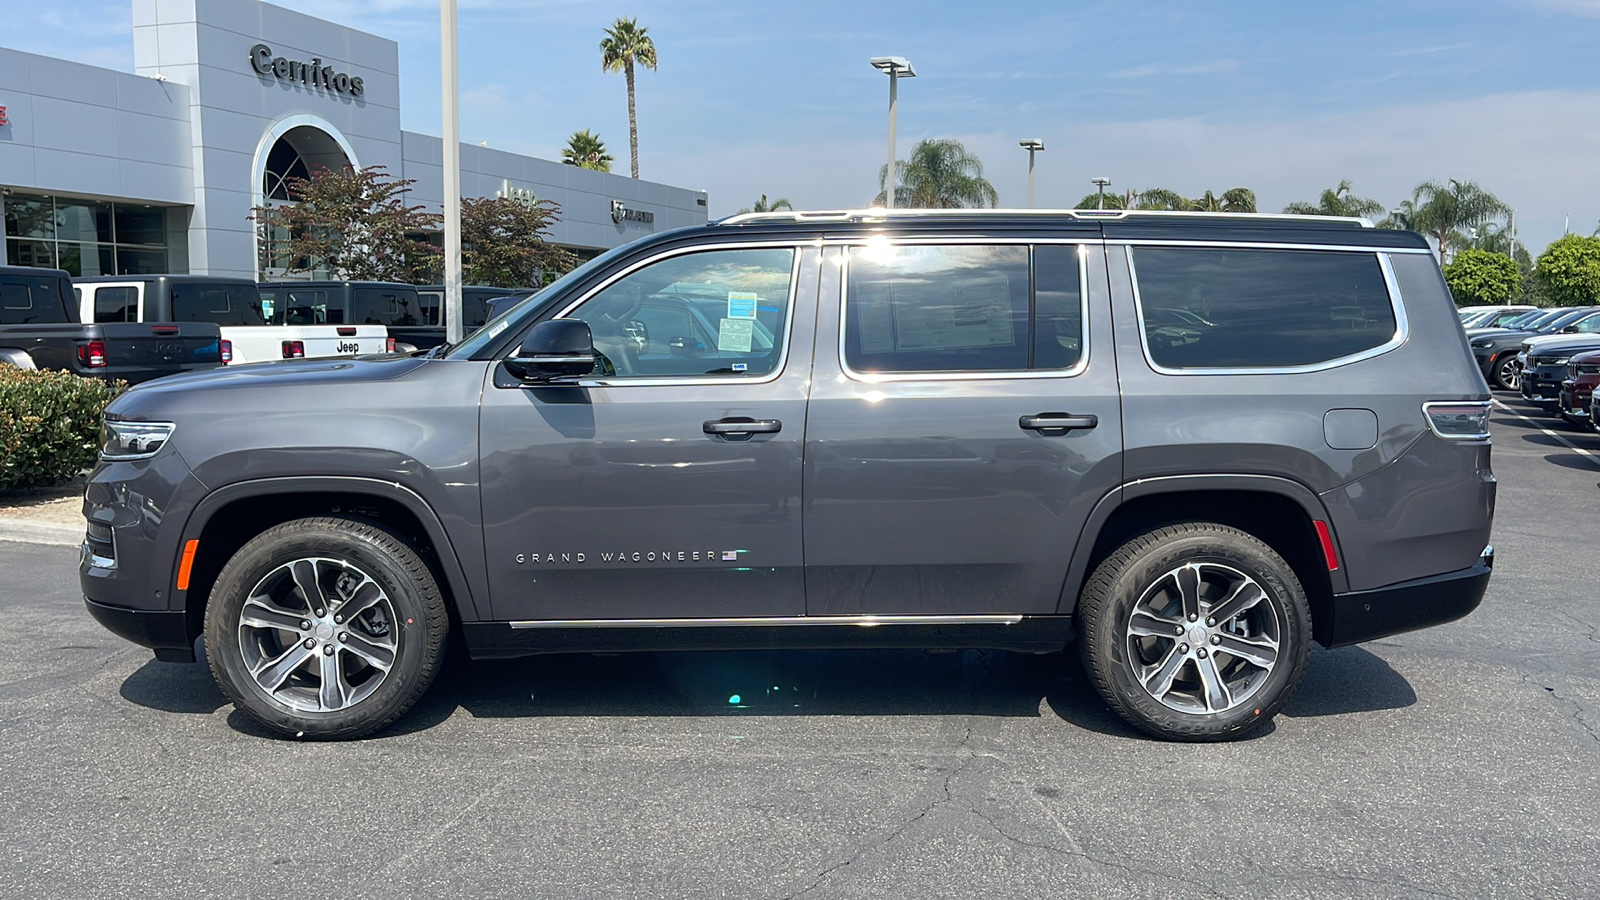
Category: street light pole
[452,173]
[1032,145]
[1100,181]
[896,67]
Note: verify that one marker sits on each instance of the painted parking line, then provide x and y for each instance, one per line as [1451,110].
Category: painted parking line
[1588,454]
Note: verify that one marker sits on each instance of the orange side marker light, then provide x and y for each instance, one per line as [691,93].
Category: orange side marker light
[187,565]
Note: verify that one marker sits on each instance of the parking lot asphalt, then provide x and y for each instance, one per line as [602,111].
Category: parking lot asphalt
[1461,761]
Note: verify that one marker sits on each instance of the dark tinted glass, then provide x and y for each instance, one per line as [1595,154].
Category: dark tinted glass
[26,300]
[141,262]
[1564,318]
[1208,307]
[302,307]
[430,304]
[116,304]
[1058,307]
[386,306]
[136,225]
[223,304]
[937,309]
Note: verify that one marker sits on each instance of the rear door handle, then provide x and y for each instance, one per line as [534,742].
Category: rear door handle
[739,428]
[1057,422]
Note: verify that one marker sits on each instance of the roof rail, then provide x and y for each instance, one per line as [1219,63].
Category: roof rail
[880,214]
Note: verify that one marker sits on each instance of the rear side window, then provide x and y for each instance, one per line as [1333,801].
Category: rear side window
[222,304]
[1226,308]
[380,306]
[1007,308]
[302,307]
[30,300]
[116,304]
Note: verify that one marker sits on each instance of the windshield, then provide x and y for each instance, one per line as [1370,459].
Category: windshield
[1562,319]
[521,311]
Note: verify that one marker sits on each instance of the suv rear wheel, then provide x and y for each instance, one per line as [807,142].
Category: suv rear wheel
[1195,632]
[325,628]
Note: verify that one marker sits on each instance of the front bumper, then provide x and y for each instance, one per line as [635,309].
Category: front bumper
[1543,384]
[164,631]
[1408,606]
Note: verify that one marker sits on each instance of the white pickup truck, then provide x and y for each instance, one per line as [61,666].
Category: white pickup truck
[257,325]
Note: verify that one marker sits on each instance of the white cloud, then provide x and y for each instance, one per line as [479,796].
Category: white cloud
[1427,51]
[1206,68]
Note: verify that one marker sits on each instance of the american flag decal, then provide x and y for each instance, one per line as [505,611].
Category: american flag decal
[730,556]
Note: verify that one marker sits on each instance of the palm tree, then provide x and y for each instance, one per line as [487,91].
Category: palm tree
[763,205]
[1112,201]
[1236,200]
[941,174]
[1443,210]
[1400,217]
[626,43]
[586,151]
[1338,202]
[1161,198]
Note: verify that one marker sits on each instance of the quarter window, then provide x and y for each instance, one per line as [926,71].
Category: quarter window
[379,306]
[1004,308]
[222,304]
[714,313]
[1210,308]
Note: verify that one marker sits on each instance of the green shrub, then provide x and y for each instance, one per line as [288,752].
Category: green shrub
[49,425]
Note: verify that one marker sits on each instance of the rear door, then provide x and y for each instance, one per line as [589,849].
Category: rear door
[964,420]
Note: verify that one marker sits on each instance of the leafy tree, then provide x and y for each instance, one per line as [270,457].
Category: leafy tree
[626,43]
[354,224]
[1161,198]
[1568,271]
[1479,277]
[763,205]
[1235,200]
[503,242]
[586,151]
[1337,201]
[1401,217]
[1443,210]
[941,174]
[1112,201]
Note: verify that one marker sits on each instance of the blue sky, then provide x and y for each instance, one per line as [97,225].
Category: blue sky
[778,98]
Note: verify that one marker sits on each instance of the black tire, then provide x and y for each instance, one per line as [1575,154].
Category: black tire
[1507,372]
[1146,575]
[382,659]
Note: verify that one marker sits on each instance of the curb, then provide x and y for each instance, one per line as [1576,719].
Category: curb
[28,531]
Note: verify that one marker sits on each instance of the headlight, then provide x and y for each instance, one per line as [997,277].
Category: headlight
[1482,344]
[1557,360]
[133,440]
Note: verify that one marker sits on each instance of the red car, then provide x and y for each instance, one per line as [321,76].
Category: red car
[1583,374]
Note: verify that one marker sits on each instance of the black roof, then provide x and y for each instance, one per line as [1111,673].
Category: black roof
[186,279]
[336,284]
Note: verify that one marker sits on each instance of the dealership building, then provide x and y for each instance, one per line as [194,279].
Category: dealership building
[104,172]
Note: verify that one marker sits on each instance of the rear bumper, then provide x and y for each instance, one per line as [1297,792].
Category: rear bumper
[1408,606]
[163,631]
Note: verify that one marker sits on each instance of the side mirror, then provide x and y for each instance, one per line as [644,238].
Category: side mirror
[1570,329]
[558,348]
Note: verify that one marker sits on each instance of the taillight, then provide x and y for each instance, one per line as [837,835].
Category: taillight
[1458,421]
[294,349]
[225,349]
[388,345]
[92,354]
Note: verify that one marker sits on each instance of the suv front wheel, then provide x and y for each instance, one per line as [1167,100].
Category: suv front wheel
[1195,632]
[325,628]
[1508,372]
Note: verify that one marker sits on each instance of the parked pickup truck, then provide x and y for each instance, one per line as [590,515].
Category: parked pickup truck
[370,307]
[475,311]
[253,330]
[40,329]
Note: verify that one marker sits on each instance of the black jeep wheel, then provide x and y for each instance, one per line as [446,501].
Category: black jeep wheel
[325,628]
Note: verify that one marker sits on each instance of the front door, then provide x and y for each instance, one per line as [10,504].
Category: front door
[668,484]
[964,422]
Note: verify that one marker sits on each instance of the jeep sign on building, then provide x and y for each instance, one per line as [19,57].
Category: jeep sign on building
[107,173]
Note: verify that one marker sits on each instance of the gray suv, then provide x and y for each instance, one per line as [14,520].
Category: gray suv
[1193,444]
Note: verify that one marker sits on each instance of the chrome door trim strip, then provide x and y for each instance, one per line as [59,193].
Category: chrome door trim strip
[770,621]
[1260,245]
[1077,368]
[1402,327]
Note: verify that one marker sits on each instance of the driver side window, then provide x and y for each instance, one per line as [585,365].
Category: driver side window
[720,313]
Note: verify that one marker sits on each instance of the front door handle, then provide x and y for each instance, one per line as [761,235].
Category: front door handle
[739,428]
[1057,423]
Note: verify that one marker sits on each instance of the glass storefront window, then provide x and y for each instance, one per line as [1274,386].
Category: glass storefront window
[85,237]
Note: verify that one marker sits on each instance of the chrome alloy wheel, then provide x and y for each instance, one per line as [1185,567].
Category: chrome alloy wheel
[1509,373]
[1203,638]
[318,635]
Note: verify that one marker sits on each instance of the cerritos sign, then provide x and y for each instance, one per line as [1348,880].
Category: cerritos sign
[312,73]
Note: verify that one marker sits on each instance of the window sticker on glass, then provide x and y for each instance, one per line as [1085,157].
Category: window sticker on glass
[734,335]
[742,304]
[974,312]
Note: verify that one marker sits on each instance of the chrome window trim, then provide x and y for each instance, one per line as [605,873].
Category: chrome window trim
[788,325]
[1402,328]
[866,621]
[1262,245]
[878,213]
[1077,368]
